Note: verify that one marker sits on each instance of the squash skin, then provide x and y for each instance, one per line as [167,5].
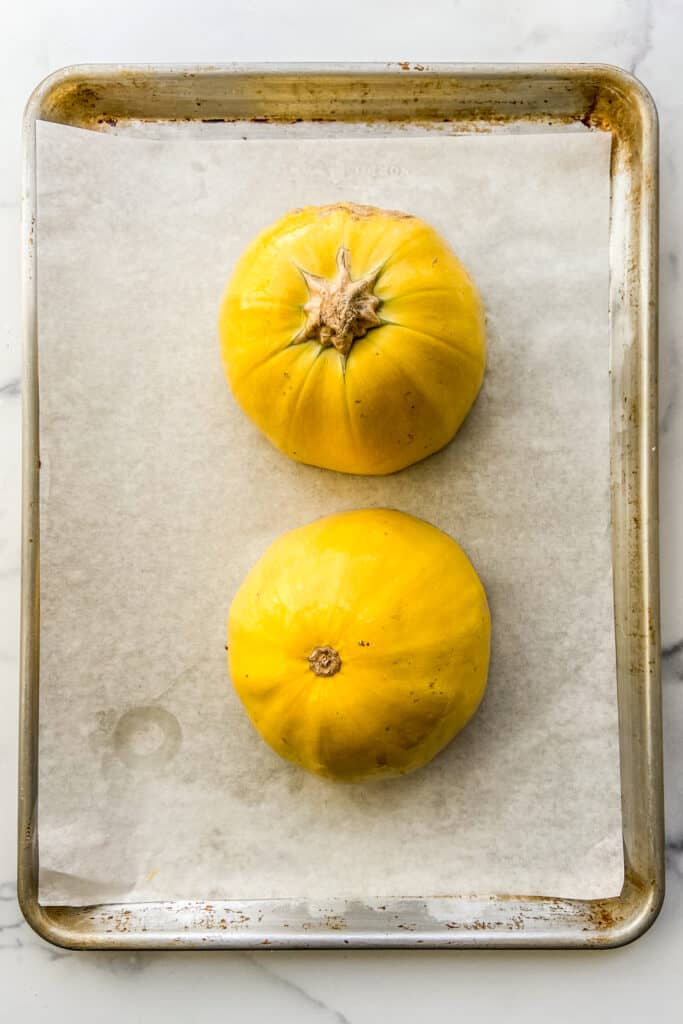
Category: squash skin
[402,607]
[404,388]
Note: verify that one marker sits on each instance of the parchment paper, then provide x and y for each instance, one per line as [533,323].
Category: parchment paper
[157,495]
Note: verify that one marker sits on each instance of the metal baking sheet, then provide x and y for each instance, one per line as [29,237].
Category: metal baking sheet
[436,94]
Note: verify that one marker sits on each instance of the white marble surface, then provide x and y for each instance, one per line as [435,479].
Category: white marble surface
[40,982]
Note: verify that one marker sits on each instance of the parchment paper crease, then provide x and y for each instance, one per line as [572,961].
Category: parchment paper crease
[157,495]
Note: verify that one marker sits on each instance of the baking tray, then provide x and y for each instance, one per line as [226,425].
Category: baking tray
[253,100]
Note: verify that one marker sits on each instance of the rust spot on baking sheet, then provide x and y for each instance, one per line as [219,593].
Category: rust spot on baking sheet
[632,410]
[237,916]
[122,921]
[335,922]
[602,916]
[587,118]
[475,926]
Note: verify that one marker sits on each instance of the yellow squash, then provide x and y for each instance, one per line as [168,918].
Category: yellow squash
[359,644]
[353,338]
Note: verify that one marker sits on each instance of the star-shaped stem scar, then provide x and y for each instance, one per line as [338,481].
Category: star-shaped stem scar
[339,310]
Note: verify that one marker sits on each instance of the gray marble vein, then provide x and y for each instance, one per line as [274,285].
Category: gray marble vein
[267,963]
[644,40]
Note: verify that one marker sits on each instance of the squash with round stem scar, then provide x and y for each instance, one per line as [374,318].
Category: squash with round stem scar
[359,644]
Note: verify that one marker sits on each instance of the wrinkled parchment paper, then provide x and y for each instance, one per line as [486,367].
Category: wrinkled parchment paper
[157,495]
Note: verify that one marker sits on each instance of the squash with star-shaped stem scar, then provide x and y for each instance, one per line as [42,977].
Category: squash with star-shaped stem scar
[353,338]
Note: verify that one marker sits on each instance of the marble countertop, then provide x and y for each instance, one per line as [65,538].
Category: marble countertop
[41,982]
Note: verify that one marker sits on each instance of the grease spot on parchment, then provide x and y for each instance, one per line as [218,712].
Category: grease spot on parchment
[147,737]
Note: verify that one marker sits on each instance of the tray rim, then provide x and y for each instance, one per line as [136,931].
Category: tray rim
[474,921]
